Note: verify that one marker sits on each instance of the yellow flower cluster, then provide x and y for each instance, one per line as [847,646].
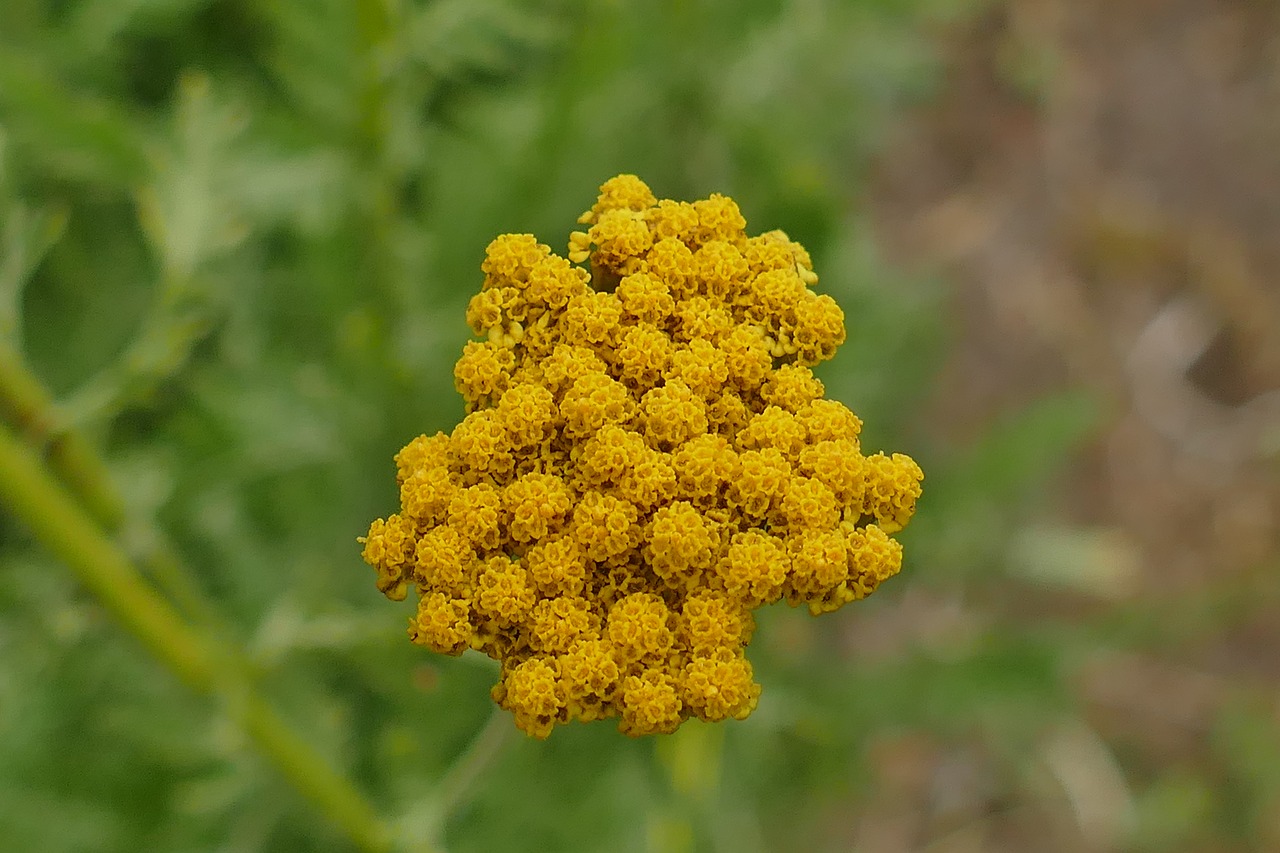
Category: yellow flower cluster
[646,459]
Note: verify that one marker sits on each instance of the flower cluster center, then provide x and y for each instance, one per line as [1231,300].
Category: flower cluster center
[646,459]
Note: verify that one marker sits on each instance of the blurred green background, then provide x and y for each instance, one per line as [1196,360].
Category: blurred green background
[236,241]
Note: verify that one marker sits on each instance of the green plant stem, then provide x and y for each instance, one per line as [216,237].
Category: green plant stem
[27,405]
[58,522]
[456,783]
[691,757]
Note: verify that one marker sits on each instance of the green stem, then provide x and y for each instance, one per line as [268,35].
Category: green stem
[29,408]
[467,768]
[691,757]
[26,405]
[379,25]
[59,523]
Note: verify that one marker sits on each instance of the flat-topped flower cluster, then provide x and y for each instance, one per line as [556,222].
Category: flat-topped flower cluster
[646,459]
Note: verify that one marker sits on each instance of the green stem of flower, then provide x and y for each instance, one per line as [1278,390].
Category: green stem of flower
[456,783]
[691,757]
[29,408]
[26,405]
[29,491]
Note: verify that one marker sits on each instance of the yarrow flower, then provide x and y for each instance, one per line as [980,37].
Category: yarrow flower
[645,460]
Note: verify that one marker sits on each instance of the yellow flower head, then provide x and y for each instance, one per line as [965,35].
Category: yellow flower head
[647,458]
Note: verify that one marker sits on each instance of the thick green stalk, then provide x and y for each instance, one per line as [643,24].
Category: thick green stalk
[29,408]
[691,757]
[61,525]
[26,405]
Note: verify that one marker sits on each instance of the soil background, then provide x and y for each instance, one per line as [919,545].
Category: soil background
[1100,185]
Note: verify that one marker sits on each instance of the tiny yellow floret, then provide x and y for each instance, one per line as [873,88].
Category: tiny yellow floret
[646,458]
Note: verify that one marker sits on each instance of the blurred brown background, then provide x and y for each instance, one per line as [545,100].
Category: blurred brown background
[1101,181]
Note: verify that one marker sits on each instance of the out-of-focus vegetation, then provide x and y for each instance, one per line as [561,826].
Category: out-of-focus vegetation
[236,241]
